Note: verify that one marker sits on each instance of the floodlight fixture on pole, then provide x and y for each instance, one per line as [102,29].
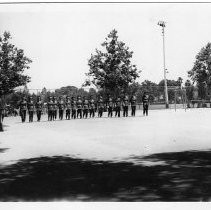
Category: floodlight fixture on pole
[163,25]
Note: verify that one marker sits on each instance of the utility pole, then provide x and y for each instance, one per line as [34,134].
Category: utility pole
[163,25]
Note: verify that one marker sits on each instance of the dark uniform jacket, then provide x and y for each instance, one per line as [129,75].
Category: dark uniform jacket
[73,104]
[50,105]
[86,104]
[79,104]
[110,103]
[100,103]
[61,105]
[68,104]
[145,99]
[118,103]
[133,101]
[39,105]
[55,105]
[92,104]
[125,102]
[23,105]
[31,106]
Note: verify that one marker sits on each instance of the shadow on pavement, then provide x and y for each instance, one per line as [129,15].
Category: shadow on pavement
[182,176]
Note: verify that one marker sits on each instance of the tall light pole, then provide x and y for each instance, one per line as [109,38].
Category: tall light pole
[162,24]
[1,109]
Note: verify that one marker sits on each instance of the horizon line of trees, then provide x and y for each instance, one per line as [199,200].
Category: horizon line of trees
[155,90]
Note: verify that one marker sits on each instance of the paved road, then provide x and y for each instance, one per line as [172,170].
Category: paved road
[107,139]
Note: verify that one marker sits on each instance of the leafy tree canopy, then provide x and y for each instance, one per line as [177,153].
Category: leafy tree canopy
[111,69]
[13,62]
[201,71]
[189,90]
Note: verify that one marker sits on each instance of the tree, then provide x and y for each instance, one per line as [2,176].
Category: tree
[67,91]
[152,88]
[111,69]
[13,99]
[170,83]
[92,93]
[13,62]
[74,91]
[179,81]
[189,90]
[201,71]
[135,88]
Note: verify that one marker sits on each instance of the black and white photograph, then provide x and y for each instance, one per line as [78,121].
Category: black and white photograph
[105,102]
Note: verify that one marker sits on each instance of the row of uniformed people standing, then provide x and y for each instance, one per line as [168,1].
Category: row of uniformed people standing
[79,108]
[30,106]
[74,108]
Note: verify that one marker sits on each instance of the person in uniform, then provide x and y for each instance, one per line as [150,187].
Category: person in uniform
[118,107]
[39,106]
[55,107]
[50,105]
[125,105]
[23,108]
[100,106]
[68,107]
[61,106]
[133,105]
[145,100]
[91,107]
[85,107]
[110,107]
[73,107]
[79,107]
[31,109]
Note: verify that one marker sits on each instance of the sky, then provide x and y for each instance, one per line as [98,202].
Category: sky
[60,38]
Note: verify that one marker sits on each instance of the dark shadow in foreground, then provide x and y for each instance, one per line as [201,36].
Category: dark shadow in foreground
[182,176]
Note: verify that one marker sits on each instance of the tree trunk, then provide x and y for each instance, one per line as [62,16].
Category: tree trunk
[1,125]
[1,108]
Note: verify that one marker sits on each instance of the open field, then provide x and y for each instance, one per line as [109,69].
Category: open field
[116,159]
[108,138]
